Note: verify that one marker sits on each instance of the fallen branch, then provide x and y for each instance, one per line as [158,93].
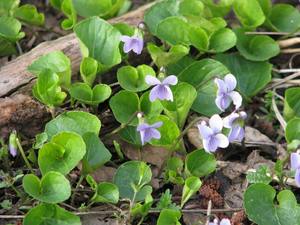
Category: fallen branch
[14,74]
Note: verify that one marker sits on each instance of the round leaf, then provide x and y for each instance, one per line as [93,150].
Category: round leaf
[106,193]
[292,130]
[291,103]
[222,40]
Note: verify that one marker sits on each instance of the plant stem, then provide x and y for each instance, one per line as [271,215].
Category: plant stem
[17,191]
[81,178]
[23,155]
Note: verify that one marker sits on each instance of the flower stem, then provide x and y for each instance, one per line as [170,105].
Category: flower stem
[81,178]
[23,155]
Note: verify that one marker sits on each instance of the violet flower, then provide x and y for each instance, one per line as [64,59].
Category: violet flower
[133,43]
[235,122]
[212,135]
[149,132]
[161,90]
[226,93]
[295,165]
[12,146]
[222,222]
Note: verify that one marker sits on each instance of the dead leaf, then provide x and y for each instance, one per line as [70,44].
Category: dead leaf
[253,135]
[98,220]
[233,196]
[104,173]
[233,170]
[194,218]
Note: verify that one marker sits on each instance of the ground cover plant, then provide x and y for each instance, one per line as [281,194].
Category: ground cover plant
[189,117]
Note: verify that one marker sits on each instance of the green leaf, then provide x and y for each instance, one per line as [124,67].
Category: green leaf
[10,29]
[200,163]
[262,175]
[169,132]
[133,79]
[292,130]
[74,121]
[96,153]
[222,40]
[160,11]
[150,109]
[203,74]
[131,135]
[68,9]
[50,214]
[266,6]
[132,178]
[169,216]
[7,7]
[174,30]
[164,58]
[47,89]
[249,13]
[52,188]
[124,105]
[29,14]
[284,18]
[191,7]
[219,8]
[291,103]
[165,201]
[100,41]
[40,139]
[198,38]
[191,186]
[184,95]
[256,47]
[88,70]
[55,61]
[56,3]
[106,193]
[6,47]
[83,93]
[260,207]
[251,77]
[62,153]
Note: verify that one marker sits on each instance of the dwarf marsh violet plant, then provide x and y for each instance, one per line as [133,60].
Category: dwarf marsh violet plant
[226,93]
[222,222]
[133,43]
[13,144]
[212,135]
[161,90]
[295,165]
[235,122]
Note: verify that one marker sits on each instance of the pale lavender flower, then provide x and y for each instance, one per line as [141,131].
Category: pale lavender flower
[161,90]
[149,132]
[212,135]
[12,146]
[226,93]
[133,43]
[222,222]
[235,122]
[295,165]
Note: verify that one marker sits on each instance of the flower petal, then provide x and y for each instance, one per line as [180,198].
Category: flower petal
[170,80]
[142,135]
[150,134]
[151,80]
[205,131]
[235,134]
[241,135]
[223,102]
[162,92]
[222,140]
[12,151]
[297,177]
[230,82]
[225,222]
[216,123]
[295,161]
[236,98]
[142,126]
[157,124]
[125,38]
[222,88]
[228,121]
[210,144]
[127,46]
[137,45]
[243,115]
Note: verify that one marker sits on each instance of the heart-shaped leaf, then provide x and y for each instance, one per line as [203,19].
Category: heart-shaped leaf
[222,40]
[219,8]
[74,121]
[251,76]
[82,92]
[292,130]
[164,58]
[133,79]
[204,72]
[132,178]
[200,163]
[106,193]
[169,216]
[8,7]
[256,47]
[10,29]
[62,153]
[52,188]
[191,186]
[291,103]
[29,14]
[96,153]
[261,209]
[50,214]
[150,109]
[124,105]
[88,70]
[191,7]
[101,41]
[55,61]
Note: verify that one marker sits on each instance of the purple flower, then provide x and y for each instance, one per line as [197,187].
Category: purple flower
[235,122]
[12,150]
[133,43]
[295,165]
[12,146]
[212,135]
[149,132]
[161,90]
[226,93]
[223,222]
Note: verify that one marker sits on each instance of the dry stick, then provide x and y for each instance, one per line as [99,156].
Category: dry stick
[271,33]
[290,77]
[292,70]
[290,50]
[289,42]
[277,113]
